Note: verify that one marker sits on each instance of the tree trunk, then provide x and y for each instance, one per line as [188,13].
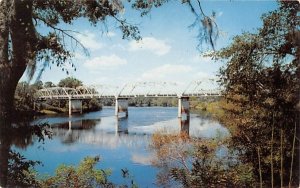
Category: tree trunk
[17,49]
[4,153]
[5,104]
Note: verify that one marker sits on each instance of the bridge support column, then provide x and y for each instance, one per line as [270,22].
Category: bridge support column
[183,108]
[75,105]
[121,106]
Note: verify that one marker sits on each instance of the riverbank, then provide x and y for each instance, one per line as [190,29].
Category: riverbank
[213,109]
[62,107]
[62,111]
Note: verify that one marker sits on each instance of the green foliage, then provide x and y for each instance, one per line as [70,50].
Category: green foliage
[209,108]
[38,85]
[70,82]
[20,170]
[24,98]
[25,104]
[147,101]
[85,175]
[261,80]
[49,84]
[91,105]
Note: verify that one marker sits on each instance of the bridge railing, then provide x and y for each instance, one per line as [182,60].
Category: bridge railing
[143,89]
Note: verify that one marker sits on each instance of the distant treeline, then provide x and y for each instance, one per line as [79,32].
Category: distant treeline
[25,103]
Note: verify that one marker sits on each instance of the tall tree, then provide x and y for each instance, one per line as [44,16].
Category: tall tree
[22,46]
[49,84]
[261,80]
[70,82]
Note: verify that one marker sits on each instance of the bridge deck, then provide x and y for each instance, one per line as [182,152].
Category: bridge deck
[66,97]
[142,89]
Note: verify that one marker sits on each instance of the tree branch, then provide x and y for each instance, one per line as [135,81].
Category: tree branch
[65,32]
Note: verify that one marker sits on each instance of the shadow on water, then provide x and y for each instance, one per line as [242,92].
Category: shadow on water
[14,168]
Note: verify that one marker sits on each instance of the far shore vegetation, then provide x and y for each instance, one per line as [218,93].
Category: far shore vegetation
[26,102]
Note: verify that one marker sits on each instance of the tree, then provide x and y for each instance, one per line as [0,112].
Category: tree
[171,152]
[210,169]
[195,162]
[93,104]
[22,46]
[70,82]
[38,85]
[261,81]
[49,84]
[85,175]
[24,100]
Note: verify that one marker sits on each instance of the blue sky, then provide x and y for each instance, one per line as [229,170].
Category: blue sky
[167,51]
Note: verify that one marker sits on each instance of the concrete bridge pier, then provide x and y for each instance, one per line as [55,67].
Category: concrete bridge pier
[75,105]
[183,108]
[121,106]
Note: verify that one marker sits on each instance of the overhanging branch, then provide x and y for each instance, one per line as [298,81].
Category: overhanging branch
[65,32]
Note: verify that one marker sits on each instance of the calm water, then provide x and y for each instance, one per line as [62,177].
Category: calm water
[121,143]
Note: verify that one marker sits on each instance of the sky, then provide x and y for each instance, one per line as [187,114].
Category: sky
[168,50]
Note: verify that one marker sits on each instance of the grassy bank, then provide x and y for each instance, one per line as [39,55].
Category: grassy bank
[209,108]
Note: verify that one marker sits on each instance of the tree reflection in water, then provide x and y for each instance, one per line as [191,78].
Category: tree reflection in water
[15,170]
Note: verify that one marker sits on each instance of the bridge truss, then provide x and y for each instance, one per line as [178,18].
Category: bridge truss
[131,90]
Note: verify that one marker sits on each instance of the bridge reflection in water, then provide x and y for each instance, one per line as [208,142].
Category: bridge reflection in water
[108,132]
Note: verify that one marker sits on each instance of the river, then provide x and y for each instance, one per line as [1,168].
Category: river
[120,143]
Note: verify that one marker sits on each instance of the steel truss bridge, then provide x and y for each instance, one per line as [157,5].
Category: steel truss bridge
[139,89]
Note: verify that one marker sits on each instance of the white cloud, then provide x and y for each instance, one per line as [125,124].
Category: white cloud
[158,47]
[201,59]
[203,75]
[80,56]
[105,62]
[142,159]
[117,47]
[166,71]
[111,34]
[90,41]
[220,14]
